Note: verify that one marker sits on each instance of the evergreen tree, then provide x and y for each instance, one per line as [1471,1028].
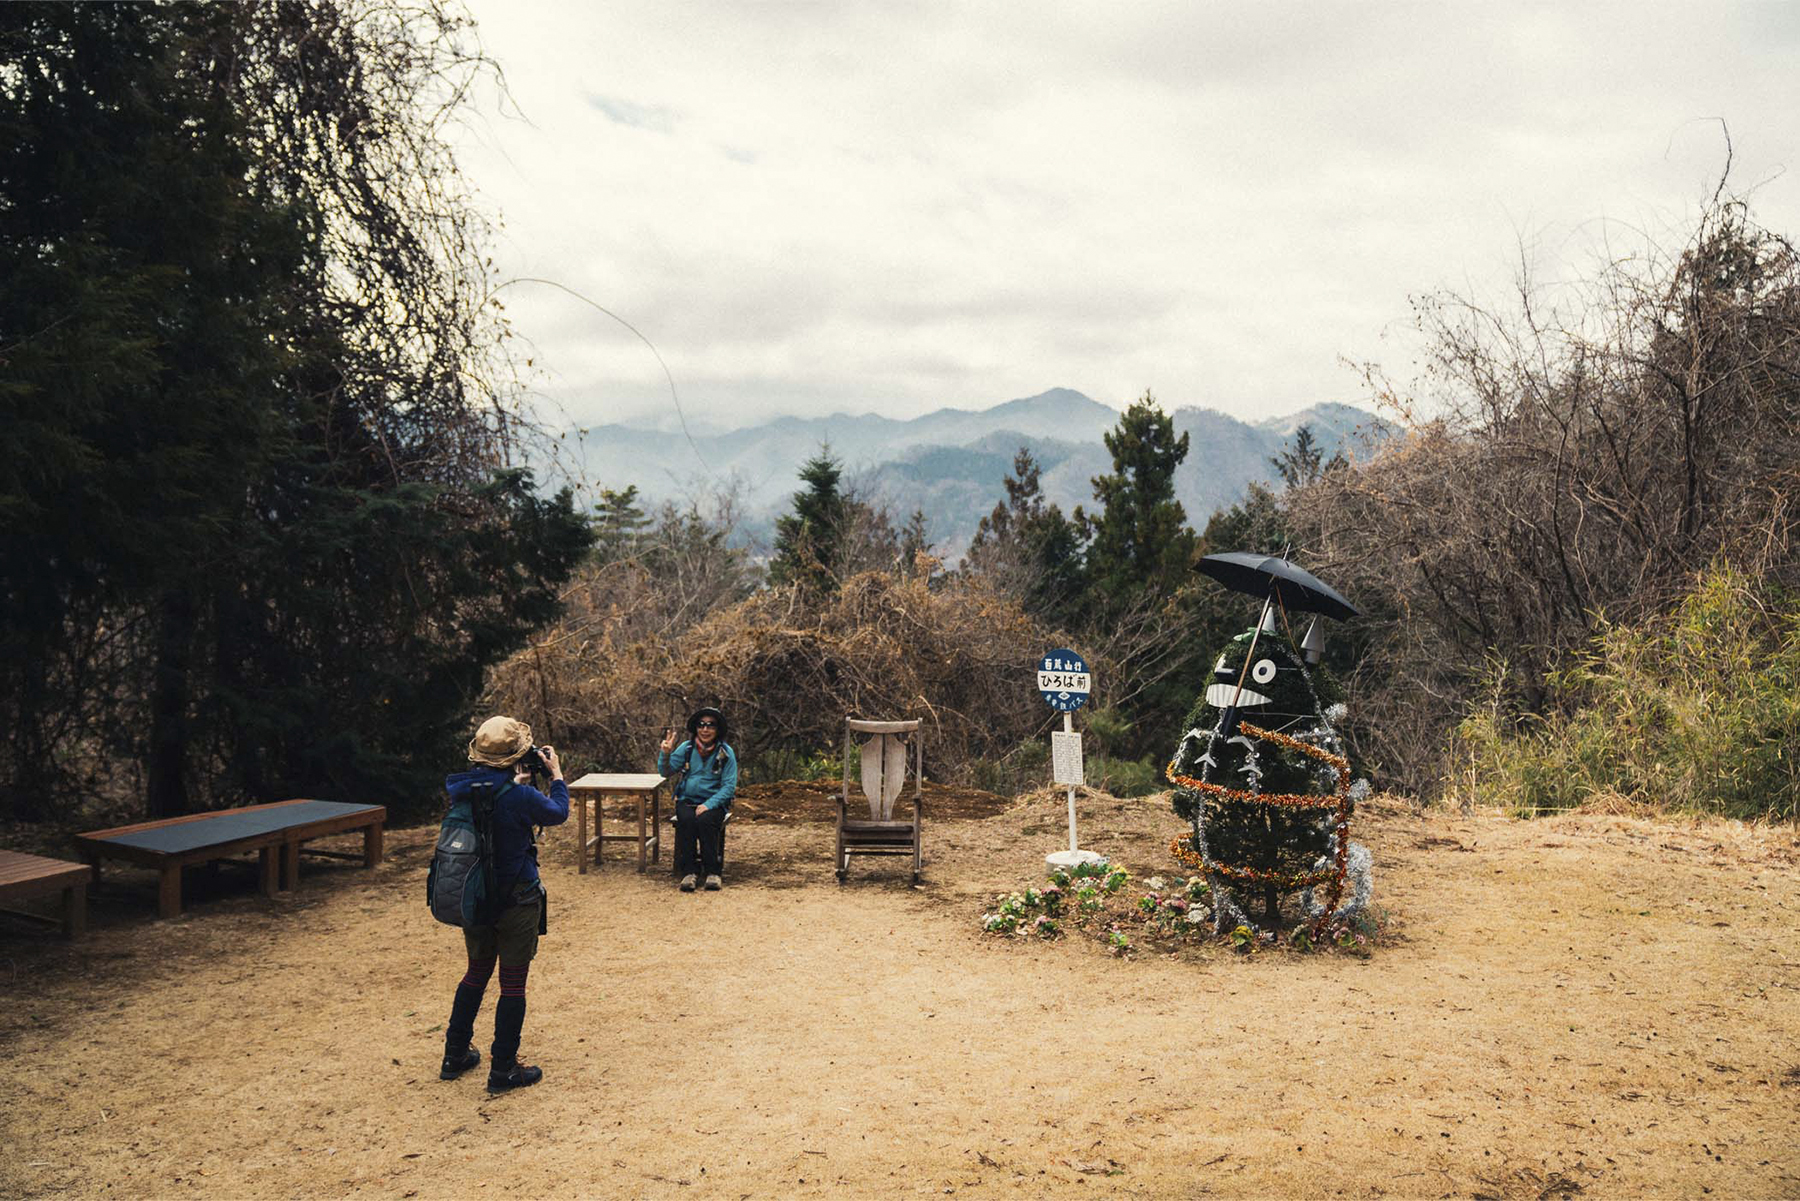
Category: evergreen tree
[915,547]
[1302,462]
[1139,542]
[256,539]
[809,540]
[619,524]
[1254,525]
[1027,548]
[1142,592]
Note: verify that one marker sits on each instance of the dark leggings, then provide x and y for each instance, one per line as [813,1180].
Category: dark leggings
[699,839]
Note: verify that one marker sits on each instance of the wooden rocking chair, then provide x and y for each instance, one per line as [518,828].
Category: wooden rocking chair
[884,771]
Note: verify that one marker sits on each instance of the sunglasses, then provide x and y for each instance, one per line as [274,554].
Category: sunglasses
[706,725]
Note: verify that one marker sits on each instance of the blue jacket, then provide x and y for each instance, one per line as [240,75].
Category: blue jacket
[521,808]
[711,780]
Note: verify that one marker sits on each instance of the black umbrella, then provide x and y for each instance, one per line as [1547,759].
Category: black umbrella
[1269,577]
[1272,579]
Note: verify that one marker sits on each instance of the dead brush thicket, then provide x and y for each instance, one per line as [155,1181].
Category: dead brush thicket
[1596,445]
[630,656]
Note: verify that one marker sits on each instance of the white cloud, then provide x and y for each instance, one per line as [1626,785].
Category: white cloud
[850,206]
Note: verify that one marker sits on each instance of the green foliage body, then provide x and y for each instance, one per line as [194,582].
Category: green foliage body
[1280,694]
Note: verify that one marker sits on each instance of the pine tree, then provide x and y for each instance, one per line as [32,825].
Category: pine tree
[1141,588]
[1027,548]
[1302,462]
[619,524]
[1139,542]
[915,548]
[809,540]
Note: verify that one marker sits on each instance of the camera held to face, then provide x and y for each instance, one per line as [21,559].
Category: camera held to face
[533,761]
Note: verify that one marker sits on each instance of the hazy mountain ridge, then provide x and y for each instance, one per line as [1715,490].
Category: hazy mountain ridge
[950,463]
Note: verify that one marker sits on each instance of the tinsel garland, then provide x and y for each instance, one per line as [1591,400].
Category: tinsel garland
[1182,848]
[1186,855]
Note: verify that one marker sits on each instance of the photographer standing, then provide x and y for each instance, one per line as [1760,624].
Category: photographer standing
[505,762]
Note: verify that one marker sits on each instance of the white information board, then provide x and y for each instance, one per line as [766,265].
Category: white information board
[1066,766]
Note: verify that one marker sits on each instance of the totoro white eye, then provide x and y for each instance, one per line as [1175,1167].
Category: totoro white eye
[1264,671]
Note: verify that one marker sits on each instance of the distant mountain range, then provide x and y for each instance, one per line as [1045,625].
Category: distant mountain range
[950,463]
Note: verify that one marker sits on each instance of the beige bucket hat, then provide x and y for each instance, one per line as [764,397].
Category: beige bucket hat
[499,742]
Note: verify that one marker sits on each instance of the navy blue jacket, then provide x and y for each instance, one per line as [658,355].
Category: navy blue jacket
[521,808]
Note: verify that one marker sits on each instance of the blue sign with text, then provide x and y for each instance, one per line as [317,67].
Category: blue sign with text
[1064,680]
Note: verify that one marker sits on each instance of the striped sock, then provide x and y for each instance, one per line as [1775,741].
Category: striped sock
[480,971]
[512,979]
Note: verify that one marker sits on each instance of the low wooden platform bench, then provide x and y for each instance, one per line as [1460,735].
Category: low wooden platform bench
[24,876]
[275,831]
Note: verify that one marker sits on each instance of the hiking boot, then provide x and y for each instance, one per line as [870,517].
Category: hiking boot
[713,884]
[516,1076]
[687,882]
[458,1062]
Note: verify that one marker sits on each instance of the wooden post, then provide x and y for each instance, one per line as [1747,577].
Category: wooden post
[290,865]
[581,804]
[918,801]
[372,845]
[168,892]
[74,923]
[268,862]
[1069,728]
[640,809]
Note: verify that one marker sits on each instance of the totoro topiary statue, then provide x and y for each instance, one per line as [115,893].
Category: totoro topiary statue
[1260,774]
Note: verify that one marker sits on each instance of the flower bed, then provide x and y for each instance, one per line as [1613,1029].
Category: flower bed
[1161,913]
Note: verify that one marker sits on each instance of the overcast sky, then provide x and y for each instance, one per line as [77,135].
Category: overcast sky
[895,207]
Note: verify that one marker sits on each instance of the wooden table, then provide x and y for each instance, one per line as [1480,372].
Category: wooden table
[600,785]
[23,876]
[275,831]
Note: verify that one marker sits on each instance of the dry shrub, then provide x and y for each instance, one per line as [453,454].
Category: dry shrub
[786,667]
[1599,444]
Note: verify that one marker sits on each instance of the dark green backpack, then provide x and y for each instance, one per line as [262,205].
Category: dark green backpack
[460,887]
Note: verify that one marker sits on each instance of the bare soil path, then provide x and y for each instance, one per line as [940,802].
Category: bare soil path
[1588,1005]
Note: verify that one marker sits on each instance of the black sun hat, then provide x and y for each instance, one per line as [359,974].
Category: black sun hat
[693,724]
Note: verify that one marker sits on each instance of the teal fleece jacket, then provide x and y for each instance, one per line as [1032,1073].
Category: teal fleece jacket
[711,780]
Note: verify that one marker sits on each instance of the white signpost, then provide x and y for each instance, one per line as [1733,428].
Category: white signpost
[1065,683]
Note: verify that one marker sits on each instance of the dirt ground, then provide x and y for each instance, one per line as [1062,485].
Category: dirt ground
[1588,1005]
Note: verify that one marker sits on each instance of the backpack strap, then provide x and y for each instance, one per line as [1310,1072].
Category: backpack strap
[493,810]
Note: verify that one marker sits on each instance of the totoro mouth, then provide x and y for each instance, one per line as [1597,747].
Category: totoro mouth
[1220,696]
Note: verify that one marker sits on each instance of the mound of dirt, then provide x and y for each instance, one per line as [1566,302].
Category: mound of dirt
[815,801]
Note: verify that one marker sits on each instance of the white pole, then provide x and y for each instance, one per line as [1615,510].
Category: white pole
[1069,728]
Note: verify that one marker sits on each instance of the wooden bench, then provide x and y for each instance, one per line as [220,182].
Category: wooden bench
[23,876]
[275,831]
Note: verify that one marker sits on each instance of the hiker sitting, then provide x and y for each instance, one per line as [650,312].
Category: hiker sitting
[706,771]
[502,754]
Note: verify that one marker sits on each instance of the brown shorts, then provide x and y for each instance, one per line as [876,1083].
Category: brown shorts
[514,938]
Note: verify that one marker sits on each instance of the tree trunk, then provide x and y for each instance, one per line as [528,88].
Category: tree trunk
[167,785]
